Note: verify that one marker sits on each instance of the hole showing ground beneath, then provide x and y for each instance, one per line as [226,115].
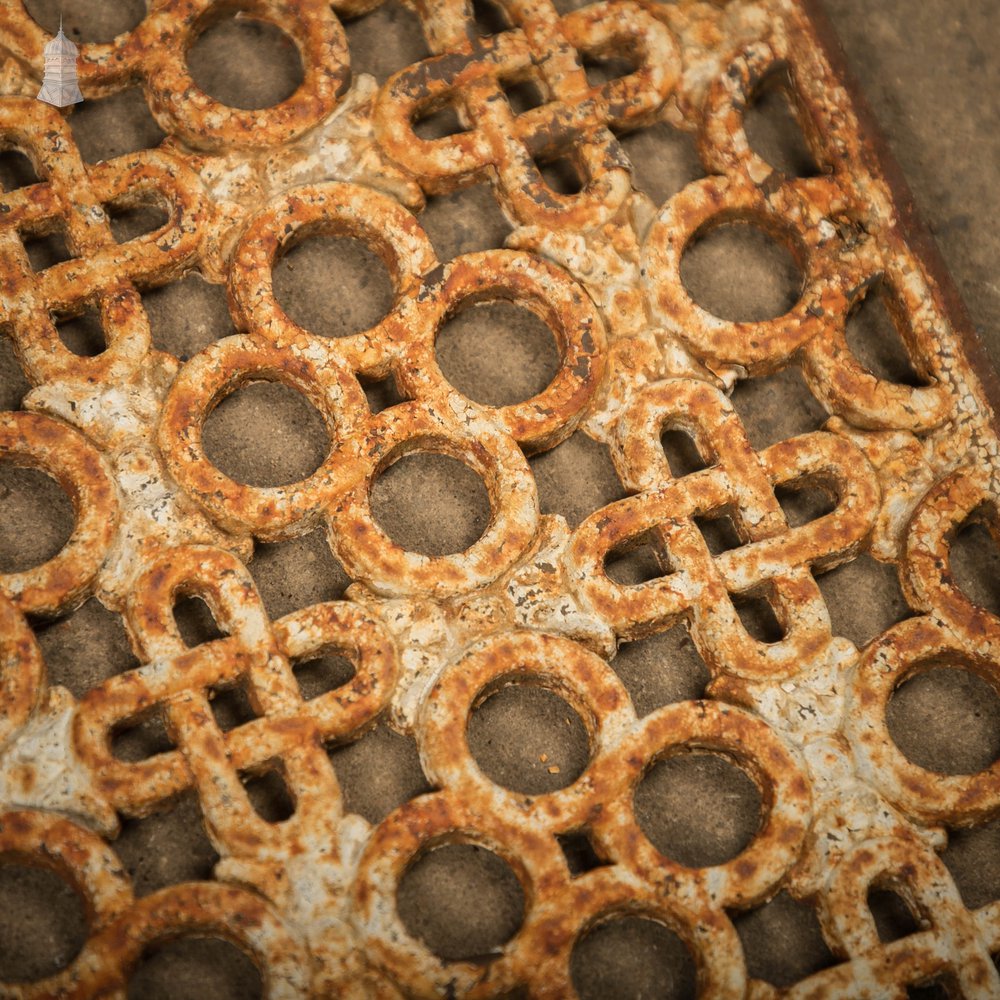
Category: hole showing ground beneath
[892,916]
[384,40]
[45,250]
[601,70]
[186,316]
[942,988]
[16,170]
[195,968]
[973,858]
[381,393]
[167,848]
[719,531]
[141,738]
[85,647]
[462,901]
[774,131]
[578,849]
[637,564]
[297,573]
[528,739]
[782,941]
[804,502]
[87,22]
[497,353]
[305,277]
[974,559]
[43,923]
[875,341]
[266,434]
[632,958]
[463,221]
[661,669]
[111,126]
[491,19]
[245,63]
[129,222]
[777,407]
[432,504]
[378,772]
[231,706]
[681,451]
[195,621]
[437,123]
[524,94]
[946,719]
[322,673]
[864,598]
[269,795]
[13,384]
[756,612]
[36,518]
[575,478]
[83,335]
[698,808]
[741,274]
[664,158]
[564,176]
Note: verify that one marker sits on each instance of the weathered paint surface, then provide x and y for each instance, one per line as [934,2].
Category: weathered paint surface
[313,899]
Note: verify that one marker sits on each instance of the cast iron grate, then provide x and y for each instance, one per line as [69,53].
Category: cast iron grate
[725,539]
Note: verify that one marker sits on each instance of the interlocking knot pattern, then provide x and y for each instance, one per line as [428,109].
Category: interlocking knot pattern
[154,54]
[312,898]
[574,118]
[101,273]
[740,481]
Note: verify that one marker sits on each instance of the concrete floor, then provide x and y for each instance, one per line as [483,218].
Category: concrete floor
[931,73]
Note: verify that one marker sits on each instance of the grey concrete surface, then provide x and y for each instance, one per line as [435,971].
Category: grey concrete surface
[931,73]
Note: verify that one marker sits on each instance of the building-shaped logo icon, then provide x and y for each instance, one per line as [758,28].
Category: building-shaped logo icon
[59,85]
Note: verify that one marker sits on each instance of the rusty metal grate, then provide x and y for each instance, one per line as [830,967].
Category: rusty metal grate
[312,895]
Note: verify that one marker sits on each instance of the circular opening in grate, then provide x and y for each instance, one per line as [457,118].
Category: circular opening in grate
[87,22]
[36,518]
[741,273]
[698,808]
[304,276]
[528,739]
[245,63]
[430,503]
[265,434]
[946,719]
[632,958]
[497,353]
[43,923]
[191,968]
[463,901]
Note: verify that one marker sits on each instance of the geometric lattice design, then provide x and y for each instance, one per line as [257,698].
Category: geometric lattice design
[312,897]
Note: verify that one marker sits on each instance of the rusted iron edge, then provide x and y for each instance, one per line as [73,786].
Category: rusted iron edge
[917,233]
